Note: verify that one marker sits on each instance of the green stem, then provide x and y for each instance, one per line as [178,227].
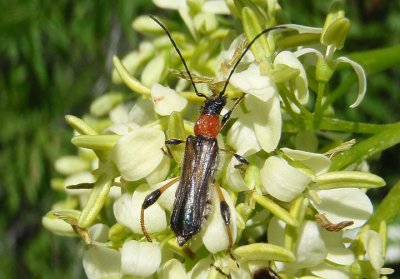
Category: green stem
[303,109]
[388,209]
[318,104]
[293,115]
[339,91]
[363,150]
[338,125]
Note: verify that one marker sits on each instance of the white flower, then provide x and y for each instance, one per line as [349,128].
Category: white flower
[281,180]
[344,204]
[300,85]
[374,247]
[284,182]
[210,6]
[172,269]
[252,82]
[154,70]
[138,153]
[140,258]
[167,198]
[262,98]
[362,80]
[214,235]
[166,100]
[68,165]
[127,212]
[128,117]
[99,233]
[313,247]
[310,248]
[101,262]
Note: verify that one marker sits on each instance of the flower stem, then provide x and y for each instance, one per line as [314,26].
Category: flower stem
[318,104]
[388,209]
[363,150]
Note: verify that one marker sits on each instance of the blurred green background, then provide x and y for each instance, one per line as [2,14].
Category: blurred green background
[55,58]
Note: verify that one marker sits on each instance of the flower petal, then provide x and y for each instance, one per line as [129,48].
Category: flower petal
[138,153]
[168,4]
[99,232]
[317,162]
[160,173]
[167,198]
[214,235]
[57,226]
[311,249]
[268,124]
[276,231]
[301,86]
[308,50]
[154,216]
[101,262]
[216,7]
[68,165]
[227,55]
[119,114]
[142,112]
[344,204]
[234,179]
[78,178]
[242,137]
[281,180]
[337,253]
[123,211]
[253,83]
[140,258]
[201,269]
[324,270]
[373,244]
[340,255]
[172,269]
[362,79]
[166,100]
[303,28]
[154,70]
[121,128]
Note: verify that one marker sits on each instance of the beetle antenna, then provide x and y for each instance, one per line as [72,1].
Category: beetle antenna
[244,52]
[180,55]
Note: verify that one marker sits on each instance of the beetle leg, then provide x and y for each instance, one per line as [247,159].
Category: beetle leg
[228,276]
[174,141]
[225,213]
[151,199]
[226,216]
[242,160]
[227,115]
[171,142]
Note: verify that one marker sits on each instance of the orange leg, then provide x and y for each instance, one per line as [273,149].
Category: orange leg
[225,213]
[151,199]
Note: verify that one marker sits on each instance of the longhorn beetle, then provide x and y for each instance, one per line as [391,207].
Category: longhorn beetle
[200,161]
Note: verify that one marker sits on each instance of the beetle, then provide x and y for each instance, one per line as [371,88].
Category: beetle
[200,161]
[266,273]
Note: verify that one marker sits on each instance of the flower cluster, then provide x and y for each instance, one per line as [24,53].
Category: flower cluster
[274,201]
